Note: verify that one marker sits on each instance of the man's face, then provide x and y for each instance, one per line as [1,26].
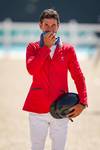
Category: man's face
[49,25]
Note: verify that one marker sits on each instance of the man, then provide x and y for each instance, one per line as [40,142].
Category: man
[49,64]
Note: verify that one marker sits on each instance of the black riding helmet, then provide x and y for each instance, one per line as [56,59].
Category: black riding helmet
[62,105]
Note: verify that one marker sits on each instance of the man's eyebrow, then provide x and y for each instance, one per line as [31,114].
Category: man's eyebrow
[46,23]
[51,25]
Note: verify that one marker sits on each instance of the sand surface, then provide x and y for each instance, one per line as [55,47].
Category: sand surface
[84,132]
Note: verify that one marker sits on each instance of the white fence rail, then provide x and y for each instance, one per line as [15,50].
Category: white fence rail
[23,33]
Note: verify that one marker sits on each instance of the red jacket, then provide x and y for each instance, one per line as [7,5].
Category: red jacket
[50,76]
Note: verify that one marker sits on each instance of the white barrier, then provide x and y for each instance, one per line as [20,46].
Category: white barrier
[23,33]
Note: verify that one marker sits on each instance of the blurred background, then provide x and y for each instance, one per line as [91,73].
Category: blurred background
[80,26]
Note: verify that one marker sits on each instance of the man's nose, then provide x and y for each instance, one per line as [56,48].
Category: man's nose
[50,29]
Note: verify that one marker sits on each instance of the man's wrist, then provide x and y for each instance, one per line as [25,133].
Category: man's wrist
[83,105]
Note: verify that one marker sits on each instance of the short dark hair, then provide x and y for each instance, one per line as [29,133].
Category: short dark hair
[49,13]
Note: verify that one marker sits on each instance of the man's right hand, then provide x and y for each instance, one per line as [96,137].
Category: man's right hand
[49,39]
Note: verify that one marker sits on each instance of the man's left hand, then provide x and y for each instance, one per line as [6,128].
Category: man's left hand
[76,111]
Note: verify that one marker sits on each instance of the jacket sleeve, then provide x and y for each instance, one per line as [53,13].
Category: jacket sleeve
[77,75]
[35,58]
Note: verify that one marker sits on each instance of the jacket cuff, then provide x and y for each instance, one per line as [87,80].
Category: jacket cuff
[45,50]
[83,105]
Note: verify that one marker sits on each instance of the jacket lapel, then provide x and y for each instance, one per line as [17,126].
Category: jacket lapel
[57,51]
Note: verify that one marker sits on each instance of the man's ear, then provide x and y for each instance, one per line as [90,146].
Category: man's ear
[58,25]
[40,25]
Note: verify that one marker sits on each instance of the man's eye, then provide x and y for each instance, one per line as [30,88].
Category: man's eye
[53,26]
[46,25]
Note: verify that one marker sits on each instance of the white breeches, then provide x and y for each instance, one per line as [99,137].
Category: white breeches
[39,124]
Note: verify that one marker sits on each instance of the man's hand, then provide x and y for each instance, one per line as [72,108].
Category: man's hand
[49,39]
[76,111]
